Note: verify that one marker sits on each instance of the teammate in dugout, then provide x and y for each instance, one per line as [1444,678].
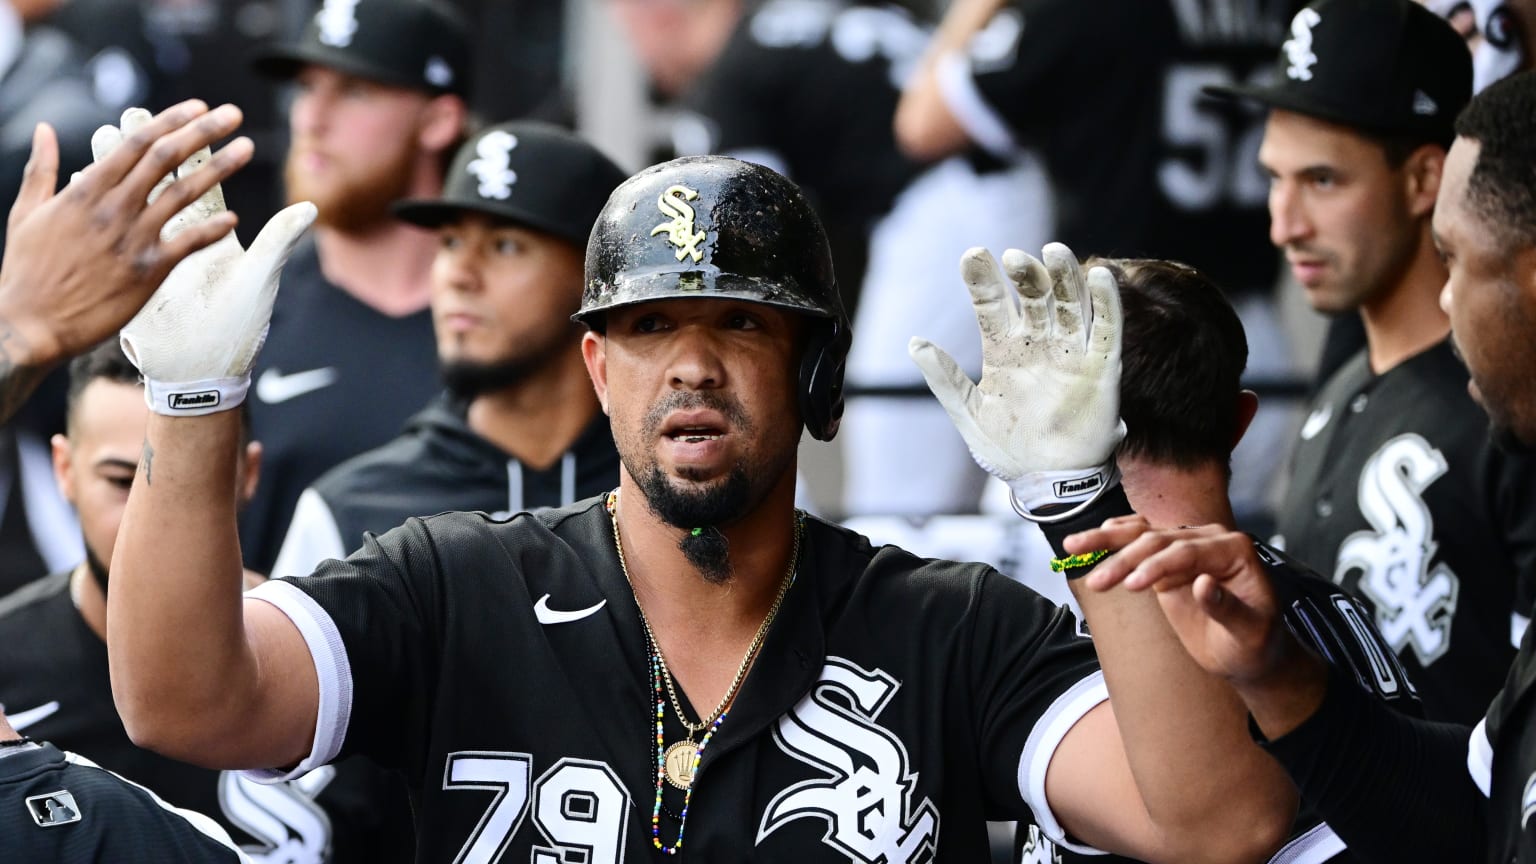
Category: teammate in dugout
[1396,490]
[1395,789]
[519,427]
[711,673]
[1181,395]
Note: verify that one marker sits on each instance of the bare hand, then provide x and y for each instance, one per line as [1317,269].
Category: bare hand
[79,264]
[1210,582]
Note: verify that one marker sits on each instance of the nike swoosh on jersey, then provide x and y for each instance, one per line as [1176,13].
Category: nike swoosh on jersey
[274,387]
[547,615]
[1315,422]
[22,719]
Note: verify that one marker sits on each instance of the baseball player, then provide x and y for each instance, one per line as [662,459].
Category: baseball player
[55,678]
[378,110]
[519,427]
[687,663]
[1180,394]
[1395,789]
[1396,491]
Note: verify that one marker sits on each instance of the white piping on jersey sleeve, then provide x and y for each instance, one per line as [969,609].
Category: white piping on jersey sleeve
[1480,757]
[980,121]
[1518,624]
[1314,847]
[332,669]
[312,537]
[1043,740]
[204,825]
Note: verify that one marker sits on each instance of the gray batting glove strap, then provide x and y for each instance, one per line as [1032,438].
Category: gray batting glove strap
[1045,417]
[197,337]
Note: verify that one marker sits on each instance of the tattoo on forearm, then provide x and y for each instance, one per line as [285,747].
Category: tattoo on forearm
[149,464]
[17,378]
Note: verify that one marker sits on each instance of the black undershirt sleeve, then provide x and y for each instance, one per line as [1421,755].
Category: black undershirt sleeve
[1395,788]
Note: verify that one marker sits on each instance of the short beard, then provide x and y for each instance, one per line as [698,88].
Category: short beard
[354,204]
[699,515]
[98,570]
[466,379]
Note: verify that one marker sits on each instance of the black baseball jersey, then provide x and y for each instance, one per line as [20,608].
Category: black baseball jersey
[54,685]
[1155,169]
[811,87]
[1339,629]
[437,464]
[334,378]
[1399,494]
[1502,759]
[63,809]
[896,703]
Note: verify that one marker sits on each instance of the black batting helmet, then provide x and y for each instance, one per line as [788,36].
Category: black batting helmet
[711,226]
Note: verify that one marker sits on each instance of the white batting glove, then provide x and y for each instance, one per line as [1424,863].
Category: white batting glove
[196,338]
[1045,418]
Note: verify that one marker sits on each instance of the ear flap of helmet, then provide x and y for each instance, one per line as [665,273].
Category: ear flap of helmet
[821,377]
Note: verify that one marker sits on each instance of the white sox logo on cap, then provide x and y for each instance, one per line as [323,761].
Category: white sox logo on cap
[492,167]
[337,22]
[1298,48]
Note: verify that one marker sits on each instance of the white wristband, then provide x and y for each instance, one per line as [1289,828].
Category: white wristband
[1031,492]
[195,398]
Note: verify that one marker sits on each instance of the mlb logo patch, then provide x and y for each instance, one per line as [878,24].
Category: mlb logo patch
[53,809]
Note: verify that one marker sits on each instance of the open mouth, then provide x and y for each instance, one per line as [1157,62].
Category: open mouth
[696,434]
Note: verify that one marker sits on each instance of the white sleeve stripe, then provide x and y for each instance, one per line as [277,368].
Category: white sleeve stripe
[952,71]
[1517,626]
[204,825]
[1043,740]
[1480,757]
[332,669]
[1314,847]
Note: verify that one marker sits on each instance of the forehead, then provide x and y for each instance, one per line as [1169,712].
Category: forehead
[108,410]
[1296,141]
[1454,219]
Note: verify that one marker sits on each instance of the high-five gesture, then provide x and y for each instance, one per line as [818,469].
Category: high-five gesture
[197,337]
[80,263]
[1045,417]
[1217,594]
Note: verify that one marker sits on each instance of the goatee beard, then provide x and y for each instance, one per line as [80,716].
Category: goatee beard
[699,514]
[467,379]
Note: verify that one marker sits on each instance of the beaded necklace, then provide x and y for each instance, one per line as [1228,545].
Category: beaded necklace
[685,754]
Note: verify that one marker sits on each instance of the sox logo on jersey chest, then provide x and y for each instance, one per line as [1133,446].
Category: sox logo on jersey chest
[1414,602]
[866,797]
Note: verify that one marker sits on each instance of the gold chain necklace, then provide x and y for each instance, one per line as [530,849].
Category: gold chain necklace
[681,759]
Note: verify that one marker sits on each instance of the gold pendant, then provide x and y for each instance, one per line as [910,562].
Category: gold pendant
[679,762]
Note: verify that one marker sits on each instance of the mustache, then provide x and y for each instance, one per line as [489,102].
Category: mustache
[690,400]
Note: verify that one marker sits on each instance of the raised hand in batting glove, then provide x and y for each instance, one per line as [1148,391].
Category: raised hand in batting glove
[1045,417]
[196,338]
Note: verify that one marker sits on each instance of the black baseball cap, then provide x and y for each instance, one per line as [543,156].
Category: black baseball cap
[1380,66]
[422,44]
[528,173]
